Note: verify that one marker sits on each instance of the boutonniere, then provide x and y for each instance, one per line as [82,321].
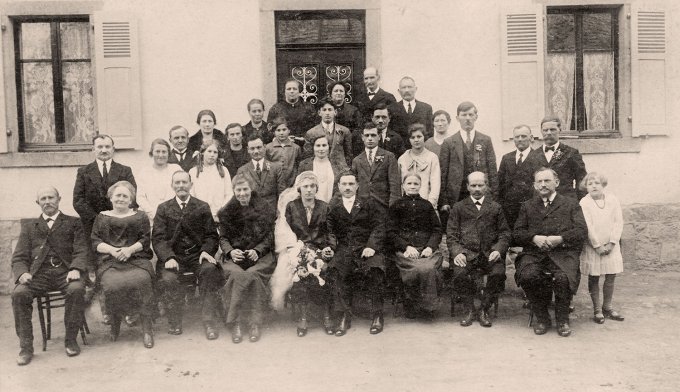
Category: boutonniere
[379,158]
[267,166]
[478,147]
[357,205]
[557,154]
[195,154]
[387,139]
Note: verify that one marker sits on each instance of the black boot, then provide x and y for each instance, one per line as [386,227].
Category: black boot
[147,329]
[345,324]
[114,320]
[302,321]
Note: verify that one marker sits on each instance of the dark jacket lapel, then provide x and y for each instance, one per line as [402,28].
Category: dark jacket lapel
[458,144]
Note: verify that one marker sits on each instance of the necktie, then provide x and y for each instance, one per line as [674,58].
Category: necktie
[371,94]
[258,170]
[410,110]
[520,159]
[370,157]
[552,148]
[546,203]
[184,204]
[478,204]
[50,222]
[180,155]
[105,174]
[468,141]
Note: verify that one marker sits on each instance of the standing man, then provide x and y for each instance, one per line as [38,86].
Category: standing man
[94,180]
[410,111]
[515,178]
[51,255]
[185,240]
[339,137]
[478,237]
[180,154]
[377,171]
[356,226]
[299,115]
[373,95]
[465,152]
[564,160]
[267,177]
[551,230]
[388,138]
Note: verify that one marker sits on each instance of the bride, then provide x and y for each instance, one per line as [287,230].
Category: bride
[301,223]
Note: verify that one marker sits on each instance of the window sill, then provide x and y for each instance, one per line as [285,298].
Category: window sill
[46,159]
[605,146]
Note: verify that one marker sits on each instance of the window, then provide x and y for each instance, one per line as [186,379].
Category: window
[581,69]
[54,82]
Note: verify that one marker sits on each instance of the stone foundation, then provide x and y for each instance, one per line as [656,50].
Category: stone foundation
[650,240]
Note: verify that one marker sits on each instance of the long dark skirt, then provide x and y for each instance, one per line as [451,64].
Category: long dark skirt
[245,294]
[128,289]
[421,279]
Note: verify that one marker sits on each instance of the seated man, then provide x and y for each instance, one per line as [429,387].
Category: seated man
[356,227]
[51,255]
[478,237]
[551,229]
[185,240]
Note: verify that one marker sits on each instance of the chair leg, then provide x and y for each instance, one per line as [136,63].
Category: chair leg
[48,307]
[41,316]
[83,329]
[531,318]
[495,306]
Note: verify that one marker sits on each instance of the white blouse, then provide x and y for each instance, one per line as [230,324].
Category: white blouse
[154,186]
[211,188]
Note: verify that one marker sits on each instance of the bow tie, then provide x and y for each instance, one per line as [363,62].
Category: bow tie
[549,148]
[370,94]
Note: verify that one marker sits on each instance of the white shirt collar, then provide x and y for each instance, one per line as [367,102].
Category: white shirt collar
[330,126]
[413,105]
[551,198]
[375,91]
[178,150]
[463,134]
[556,145]
[100,164]
[374,149]
[179,201]
[481,200]
[53,217]
[348,201]
[525,152]
[261,161]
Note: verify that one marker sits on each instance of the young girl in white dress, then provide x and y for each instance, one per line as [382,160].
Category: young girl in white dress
[601,254]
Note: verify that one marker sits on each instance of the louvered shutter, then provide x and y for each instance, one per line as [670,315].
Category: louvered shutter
[522,68]
[3,101]
[649,96]
[119,106]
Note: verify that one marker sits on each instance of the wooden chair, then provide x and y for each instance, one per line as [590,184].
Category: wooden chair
[53,300]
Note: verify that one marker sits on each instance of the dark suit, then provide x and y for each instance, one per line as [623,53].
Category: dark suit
[380,181]
[476,234]
[269,184]
[48,255]
[400,120]
[393,143]
[367,105]
[515,184]
[89,192]
[539,272]
[339,142]
[568,164]
[350,234]
[183,234]
[187,161]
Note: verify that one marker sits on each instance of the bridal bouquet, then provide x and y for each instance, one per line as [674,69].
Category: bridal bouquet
[307,265]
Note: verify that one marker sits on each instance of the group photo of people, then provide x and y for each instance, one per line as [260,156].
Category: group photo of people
[316,209]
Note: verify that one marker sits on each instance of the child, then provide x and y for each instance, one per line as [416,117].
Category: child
[283,150]
[601,254]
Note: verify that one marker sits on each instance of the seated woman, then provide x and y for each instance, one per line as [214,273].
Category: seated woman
[305,217]
[121,240]
[246,226]
[323,168]
[153,182]
[415,233]
[212,182]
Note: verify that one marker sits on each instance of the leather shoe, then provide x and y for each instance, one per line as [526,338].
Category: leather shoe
[598,318]
[236,335]
[148,340]
[175,329]
[106,319]
[24,357]
[302,327]
[345,324]
[328,325]
[540,328]
[72,348]
[254,333]
[210,332]
[115,328]
[377,325]
[484,320]
[132,320]
[468,319]
[563,330]
[613,315]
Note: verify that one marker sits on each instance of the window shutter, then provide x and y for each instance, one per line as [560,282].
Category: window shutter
[648,72]
[119,106]
[3,113]
[522,68]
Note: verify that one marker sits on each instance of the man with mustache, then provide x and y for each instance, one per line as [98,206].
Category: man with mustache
[551,230]
[52,254]
[180,154]
[409,111]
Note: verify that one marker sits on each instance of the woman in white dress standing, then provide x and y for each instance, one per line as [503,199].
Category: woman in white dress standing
[154,182]
[601,254]
[324,169]
[423,162]
[212,182]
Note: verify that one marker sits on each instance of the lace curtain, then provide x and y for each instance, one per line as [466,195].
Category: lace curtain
[559,86]
[38,85]
[598,90]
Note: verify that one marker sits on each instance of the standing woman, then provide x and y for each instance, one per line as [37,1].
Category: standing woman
[415,233]
[323,168]
[418,160]
[348,114]
[442,121]
[154,182]
[246,227]
[212,182]
[206,121]
[257,124]
[120,238]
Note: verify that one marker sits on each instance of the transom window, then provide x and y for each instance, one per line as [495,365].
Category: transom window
[581,69]
[54,79]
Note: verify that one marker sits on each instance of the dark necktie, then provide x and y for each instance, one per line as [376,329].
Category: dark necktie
[410,110]
[520,159]
[105,174]
[468,141]
[478,204]
[370,157]
[184,204]
[371,94]
[258,170]
[181,154]
[552,148]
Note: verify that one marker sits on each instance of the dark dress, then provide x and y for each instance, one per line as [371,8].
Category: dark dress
[247,227]
[127,286]
[414,222]
[315,236]
[263,132]
[235,159]
[196,141]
